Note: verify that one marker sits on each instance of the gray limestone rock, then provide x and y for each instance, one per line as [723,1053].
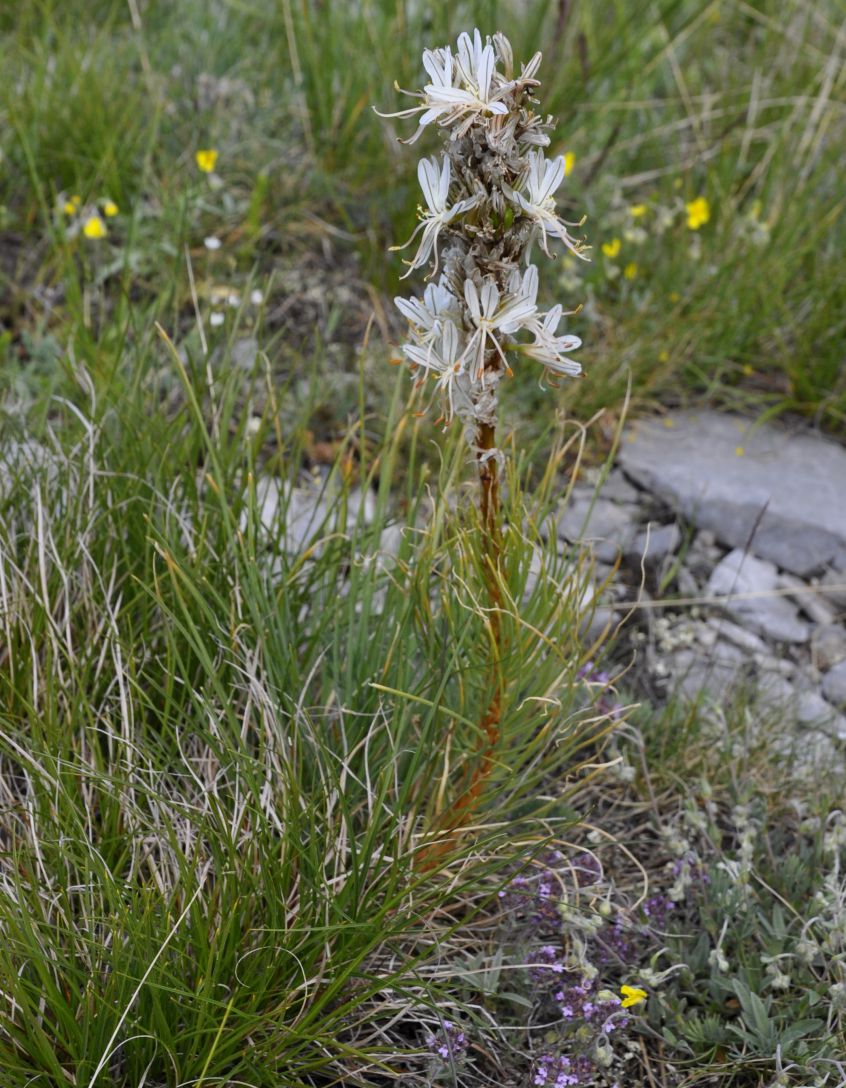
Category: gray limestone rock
[832,586]
[745,582]
[717,673]
[764,487]
[828,647]
[297,517]
[812,603]
[605,524]
[618,489]
[653,546]
[732,632]
[834,684]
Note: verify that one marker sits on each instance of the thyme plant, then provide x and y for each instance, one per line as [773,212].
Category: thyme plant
[488,197]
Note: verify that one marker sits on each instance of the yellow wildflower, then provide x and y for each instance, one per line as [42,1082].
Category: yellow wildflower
[94,227]
[71,207]
[637,211]
[674,296]
[663,356]
[698,212]
[206,159]
[632,995]
[110,209]
[748,369]
[739,451]
[569,163]
[612,248]
[630,271]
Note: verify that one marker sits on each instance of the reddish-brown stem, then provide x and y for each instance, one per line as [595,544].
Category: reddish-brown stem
[463,808]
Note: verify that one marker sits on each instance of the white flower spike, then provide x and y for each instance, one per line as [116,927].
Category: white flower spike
[483,310]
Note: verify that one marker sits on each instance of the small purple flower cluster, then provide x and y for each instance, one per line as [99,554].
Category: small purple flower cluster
[559,1071]
[587,869]
[656,912]
[624,941]
[535,897]
[599,678]
[690,865]
[546,965]
[580,1001]
[614,943]
[448,1043]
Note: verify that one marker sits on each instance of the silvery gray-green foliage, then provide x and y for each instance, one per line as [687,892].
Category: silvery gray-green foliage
[487,199]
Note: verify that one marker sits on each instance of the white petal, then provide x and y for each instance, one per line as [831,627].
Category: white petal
[550,322]
[564,366]
[526,205]
[471,297]
[465,57]
[430,236]
[424,357]
[490,298]
[485,71]
[428,176]
[514,316]
[553,176]
[443,188]
[449,344]
[529,286]
[438,63]
[428,117]
[414,311]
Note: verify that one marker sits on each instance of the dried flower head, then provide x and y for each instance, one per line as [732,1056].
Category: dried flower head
[487,199]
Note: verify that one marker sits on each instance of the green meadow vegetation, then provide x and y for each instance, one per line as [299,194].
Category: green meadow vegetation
[227,761]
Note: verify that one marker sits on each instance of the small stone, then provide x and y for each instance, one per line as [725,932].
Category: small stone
[599,625]
[702,556]
[297,517]
[812,603]
[244,352]
[536,568]
[834,684]
[390,540]
[746,640]
[833,587]
[716,673]
[769,664]
[618,488]
[745,581]
[597,619]
[361,506]
[811,708]
[653,546]
[687,584]
[605,524]
[828,647]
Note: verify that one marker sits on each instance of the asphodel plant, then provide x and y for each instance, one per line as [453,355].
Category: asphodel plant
[489,197]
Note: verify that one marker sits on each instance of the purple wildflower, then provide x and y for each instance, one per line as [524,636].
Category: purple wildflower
[554,1071]
[448,1043]
[546,964]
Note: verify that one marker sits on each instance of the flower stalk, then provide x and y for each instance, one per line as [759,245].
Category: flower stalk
[488,199]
